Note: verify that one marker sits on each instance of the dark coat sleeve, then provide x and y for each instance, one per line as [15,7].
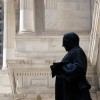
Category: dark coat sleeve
[76,68]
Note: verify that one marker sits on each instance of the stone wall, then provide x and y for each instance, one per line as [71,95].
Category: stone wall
[29,71]
[67,15]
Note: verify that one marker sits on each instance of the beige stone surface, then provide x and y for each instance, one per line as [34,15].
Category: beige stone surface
[68,15]
[32,54]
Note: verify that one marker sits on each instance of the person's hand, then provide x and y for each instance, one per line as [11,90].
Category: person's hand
[53,71]
[56,69]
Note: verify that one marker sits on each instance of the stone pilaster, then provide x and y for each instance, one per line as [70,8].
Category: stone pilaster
[9,31]
[27,16]
[93,48]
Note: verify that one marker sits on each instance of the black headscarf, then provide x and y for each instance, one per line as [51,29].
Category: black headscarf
[70,40]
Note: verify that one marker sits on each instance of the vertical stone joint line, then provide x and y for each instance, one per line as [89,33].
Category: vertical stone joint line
[51,4]
[26,4]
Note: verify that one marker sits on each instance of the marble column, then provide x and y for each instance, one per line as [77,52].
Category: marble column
[9,31]
[27,16]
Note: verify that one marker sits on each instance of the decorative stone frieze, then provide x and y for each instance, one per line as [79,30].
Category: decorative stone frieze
[32,76]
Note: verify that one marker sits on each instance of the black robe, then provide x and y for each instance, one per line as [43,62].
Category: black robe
[71,83]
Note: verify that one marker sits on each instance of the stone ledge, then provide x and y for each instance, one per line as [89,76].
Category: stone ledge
[5,90]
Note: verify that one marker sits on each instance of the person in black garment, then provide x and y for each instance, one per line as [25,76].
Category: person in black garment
[71,82]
